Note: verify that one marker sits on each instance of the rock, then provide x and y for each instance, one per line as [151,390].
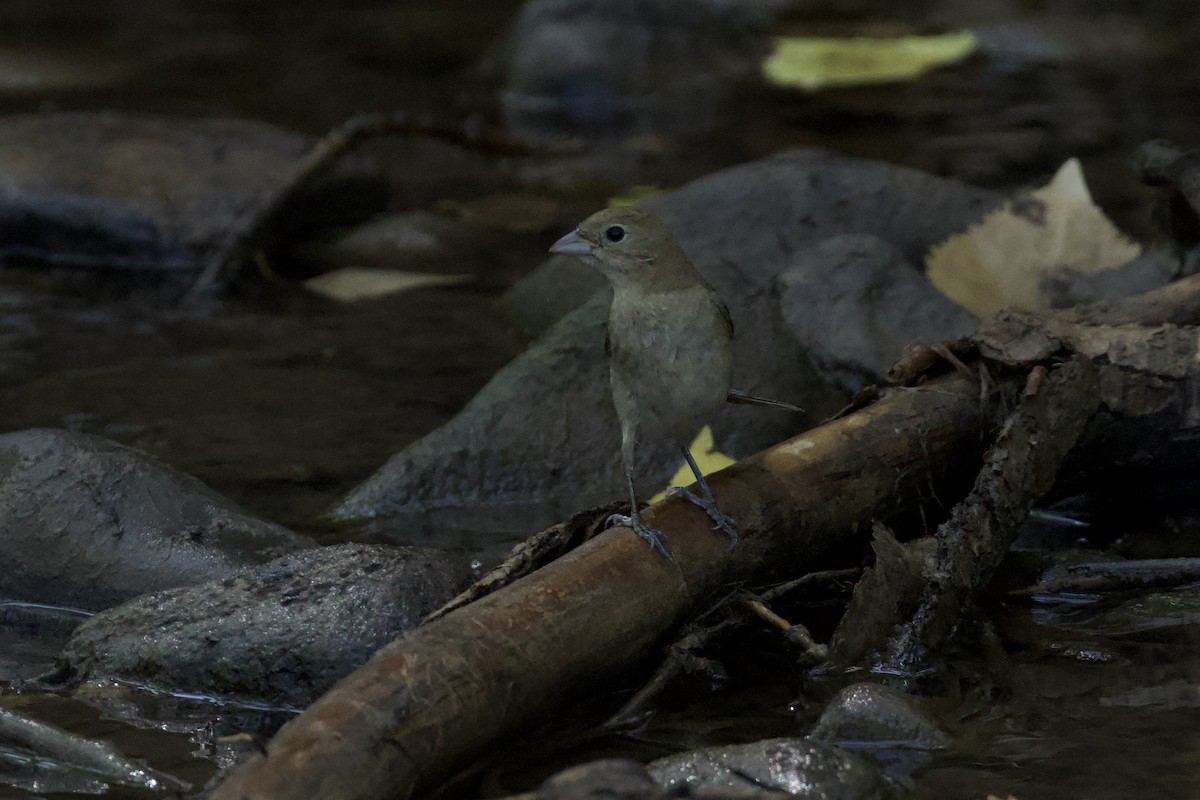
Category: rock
[742,227]
[584,68]
[147,193]
[1160,616]
[800,767]
[855,303]
[52,760]
[624,779]
[1148,271]
[609,779]
[284,631]
[88,523]
[870,713]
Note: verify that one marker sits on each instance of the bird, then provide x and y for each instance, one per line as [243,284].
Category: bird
[669,346]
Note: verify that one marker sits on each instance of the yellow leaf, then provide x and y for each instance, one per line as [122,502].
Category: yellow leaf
[708,458]
[1006,258]
[816,63]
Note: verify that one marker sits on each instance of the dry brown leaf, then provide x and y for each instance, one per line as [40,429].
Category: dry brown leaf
[1006,259]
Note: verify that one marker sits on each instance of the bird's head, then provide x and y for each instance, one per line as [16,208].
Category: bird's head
[629,246]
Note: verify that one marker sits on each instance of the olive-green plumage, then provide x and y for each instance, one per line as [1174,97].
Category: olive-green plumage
[669,339]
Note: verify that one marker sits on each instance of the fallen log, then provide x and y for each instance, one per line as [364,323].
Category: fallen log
[426,705]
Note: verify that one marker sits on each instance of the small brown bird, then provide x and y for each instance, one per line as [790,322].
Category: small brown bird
[669,344]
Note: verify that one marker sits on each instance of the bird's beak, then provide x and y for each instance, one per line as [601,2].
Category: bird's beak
[571,245]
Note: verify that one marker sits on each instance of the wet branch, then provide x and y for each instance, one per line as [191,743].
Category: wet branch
[431,702]
[1019,468]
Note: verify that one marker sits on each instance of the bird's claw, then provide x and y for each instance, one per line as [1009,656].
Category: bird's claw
[720,521]
[635,522]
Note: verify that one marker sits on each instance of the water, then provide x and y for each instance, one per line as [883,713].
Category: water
[283,404]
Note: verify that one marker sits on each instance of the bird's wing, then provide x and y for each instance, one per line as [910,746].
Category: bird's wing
[724,309]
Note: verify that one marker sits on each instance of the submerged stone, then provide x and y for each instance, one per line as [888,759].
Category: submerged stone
[128,192]
[800,767]
[870,713]
[284,631]
[680,64]
[90,523]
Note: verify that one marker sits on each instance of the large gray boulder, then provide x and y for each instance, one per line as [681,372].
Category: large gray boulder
[854,303]
[89,523]
[284,631]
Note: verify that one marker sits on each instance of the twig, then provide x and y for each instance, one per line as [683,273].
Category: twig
[247,233]
[1111,576]
[829,576]
[536,551]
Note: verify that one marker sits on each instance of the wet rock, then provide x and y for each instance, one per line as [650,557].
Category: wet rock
[584,68]
[742,227]
[624,779]
[145,193]
[284,631]
[870,713]
[1064,288]
[855,303]
[611,779]
[1159,615]
[51,759]
[86,522]
[800,767]
[503,449]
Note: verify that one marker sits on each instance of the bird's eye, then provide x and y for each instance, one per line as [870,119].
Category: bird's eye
[615,234]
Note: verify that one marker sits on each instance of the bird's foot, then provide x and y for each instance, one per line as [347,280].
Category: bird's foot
[639,526]
[720,521]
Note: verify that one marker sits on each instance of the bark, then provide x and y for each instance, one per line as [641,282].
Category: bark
[429,703]
[1020,467]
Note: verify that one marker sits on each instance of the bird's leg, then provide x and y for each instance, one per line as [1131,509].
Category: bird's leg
[706,500]
[634,520]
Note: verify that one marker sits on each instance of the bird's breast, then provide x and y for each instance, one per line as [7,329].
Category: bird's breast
[671,361]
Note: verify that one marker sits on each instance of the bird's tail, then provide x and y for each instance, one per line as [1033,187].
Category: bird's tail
[738,396]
